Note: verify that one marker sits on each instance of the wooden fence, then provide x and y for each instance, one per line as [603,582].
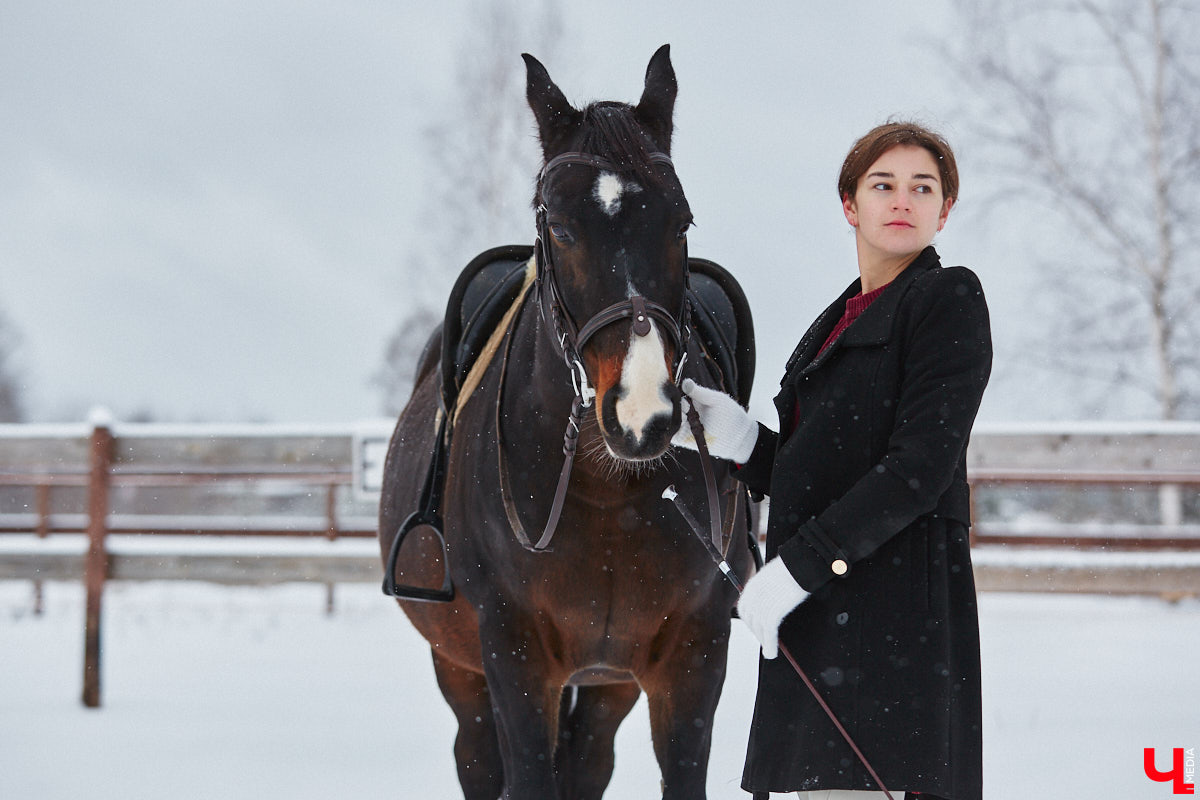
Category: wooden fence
[1073,508]
[116,485]
[1080,507]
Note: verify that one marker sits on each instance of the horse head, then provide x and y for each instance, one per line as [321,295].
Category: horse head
[612,254]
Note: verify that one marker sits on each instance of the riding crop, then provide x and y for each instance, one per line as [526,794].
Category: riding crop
[693,418]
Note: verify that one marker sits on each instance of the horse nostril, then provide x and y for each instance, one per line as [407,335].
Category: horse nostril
[608,411]
[660,427]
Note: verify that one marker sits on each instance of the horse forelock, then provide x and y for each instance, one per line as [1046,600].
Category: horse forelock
[610,130]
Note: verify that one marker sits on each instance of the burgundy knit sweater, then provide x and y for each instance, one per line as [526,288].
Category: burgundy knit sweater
[854,306]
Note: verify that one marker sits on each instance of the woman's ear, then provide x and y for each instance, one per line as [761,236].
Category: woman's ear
[946,206]
[851,210]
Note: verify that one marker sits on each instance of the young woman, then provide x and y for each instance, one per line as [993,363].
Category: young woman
[868,577]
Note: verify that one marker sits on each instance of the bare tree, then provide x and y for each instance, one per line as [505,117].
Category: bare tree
[396,377]
[10,384]
[1090,109]
[485,155]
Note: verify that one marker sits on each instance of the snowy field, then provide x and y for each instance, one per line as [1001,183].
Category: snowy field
[229,693]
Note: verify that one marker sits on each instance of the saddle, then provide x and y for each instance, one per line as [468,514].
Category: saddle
[493,281]
[485,294]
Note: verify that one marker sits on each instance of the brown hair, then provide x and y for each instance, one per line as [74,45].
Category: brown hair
[867,150]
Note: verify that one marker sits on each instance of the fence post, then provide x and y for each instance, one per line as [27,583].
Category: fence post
[95,569]
[1170,505]
[41,494]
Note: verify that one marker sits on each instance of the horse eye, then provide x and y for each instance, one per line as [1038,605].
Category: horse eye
[560,232]
[684,228]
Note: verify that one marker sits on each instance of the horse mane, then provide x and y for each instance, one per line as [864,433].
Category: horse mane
[611,131]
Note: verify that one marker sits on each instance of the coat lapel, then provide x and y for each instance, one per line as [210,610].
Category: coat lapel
[874,326]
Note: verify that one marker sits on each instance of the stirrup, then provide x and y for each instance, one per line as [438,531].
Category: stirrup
[404,591]
[426,514]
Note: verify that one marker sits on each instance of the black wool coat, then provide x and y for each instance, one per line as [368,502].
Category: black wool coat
[872,476]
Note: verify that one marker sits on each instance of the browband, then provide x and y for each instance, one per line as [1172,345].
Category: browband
[590,160]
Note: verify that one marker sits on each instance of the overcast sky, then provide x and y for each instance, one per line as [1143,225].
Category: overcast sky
[206,208]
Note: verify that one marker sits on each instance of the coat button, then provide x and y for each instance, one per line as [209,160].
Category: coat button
[839,567]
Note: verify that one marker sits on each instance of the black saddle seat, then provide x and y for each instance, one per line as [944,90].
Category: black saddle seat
[721,320]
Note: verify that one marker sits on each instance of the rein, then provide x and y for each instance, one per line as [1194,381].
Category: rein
[693,418]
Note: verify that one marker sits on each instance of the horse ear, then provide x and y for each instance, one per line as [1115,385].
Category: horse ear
[556,118]
[657,105]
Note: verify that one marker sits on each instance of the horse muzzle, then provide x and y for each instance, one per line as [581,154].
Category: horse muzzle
[640,410]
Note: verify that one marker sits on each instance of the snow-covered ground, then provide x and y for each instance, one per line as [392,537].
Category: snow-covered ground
[228,693]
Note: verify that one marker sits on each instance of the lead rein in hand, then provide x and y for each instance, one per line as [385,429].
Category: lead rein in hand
[697,428]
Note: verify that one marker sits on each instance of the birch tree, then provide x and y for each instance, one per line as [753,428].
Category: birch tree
[10,384]
[1090,111]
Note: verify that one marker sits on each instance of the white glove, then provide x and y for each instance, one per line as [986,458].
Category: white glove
[729,430]
[769,596]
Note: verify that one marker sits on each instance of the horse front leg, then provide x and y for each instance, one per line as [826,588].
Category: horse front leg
[586,732]
[525,697]
[682,691]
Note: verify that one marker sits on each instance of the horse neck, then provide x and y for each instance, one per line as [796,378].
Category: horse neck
[535,369]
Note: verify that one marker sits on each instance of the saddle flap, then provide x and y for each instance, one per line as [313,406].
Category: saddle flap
[722,321]
[484,291]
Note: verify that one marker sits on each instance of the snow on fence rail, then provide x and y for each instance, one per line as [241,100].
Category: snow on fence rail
[1062,508]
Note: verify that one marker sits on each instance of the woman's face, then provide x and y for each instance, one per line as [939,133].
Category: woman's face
[898,205]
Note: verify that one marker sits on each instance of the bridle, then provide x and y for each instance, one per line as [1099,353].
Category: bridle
[569,338]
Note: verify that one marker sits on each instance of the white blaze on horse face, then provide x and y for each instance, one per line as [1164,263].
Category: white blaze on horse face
[644,377]
[608,192]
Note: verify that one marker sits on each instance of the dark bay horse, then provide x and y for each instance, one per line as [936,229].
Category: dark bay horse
[542,653]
